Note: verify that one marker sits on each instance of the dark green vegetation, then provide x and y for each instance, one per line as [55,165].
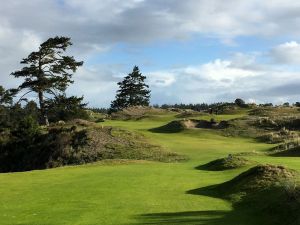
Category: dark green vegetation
[133,91]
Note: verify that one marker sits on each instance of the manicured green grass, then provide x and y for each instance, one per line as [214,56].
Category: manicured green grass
[134,192]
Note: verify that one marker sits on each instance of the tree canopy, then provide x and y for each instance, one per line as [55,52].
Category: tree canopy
[133,91]
[48,71]
[6,96]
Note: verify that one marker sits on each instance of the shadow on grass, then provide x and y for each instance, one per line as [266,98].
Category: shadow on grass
[211,191]
[295,152]
[187,218]
[175,126]
[266,207]
[237,216]
[215,165]
[256,200]
[210,217]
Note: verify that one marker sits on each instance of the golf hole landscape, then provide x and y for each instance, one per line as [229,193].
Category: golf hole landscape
[145,175]
[149,112]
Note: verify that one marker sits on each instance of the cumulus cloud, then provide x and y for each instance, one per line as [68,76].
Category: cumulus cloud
[288,53]
[92,22]
[225,80]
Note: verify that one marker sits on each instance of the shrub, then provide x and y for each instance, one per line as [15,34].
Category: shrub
[66,108]
[240,102]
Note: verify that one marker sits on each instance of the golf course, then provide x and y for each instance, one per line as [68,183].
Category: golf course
[112,192]
[149,112]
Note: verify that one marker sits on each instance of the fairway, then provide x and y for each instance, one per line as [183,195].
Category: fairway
[134,192]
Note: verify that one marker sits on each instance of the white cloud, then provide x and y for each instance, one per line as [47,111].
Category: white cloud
[96,26]
[288,53]
[97,84]
[226,80]
[219,70]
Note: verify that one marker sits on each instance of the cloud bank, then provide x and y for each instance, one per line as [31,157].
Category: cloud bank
[96,27]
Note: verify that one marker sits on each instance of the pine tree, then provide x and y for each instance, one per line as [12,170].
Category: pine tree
[133,91]
[48,71]
[5,96]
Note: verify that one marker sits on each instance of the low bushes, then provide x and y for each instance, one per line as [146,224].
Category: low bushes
[29,147]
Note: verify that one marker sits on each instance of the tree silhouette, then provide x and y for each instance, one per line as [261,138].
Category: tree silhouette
[133,91]
[48,71]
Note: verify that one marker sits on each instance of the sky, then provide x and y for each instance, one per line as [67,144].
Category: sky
[191,51]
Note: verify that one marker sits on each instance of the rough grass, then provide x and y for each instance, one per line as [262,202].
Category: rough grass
[136,113]
[227,163]
[258,178]
[274,111]
[114,143]
[189,114]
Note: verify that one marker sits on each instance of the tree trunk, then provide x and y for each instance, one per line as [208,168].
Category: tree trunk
[43,110]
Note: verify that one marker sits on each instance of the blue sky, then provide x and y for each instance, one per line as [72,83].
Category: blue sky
[191,51]
[176,53]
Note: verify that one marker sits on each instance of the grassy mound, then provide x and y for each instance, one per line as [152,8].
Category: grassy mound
[211,124]
[114,143]
[274,111]
[172,127]
[189,113]
[230,162]
[269,124]
[273,190]
[243,127]
[269,193]
[254,180]
[136,113]
[258,178]
[181,125]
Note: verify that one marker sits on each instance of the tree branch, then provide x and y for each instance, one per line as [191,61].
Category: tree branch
[20,99]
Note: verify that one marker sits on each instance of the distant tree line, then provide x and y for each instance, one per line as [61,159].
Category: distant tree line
[99,110]
[195,107]
[213,107]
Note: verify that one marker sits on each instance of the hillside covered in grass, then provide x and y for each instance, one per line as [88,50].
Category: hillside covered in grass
[213,176]
[75,143]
